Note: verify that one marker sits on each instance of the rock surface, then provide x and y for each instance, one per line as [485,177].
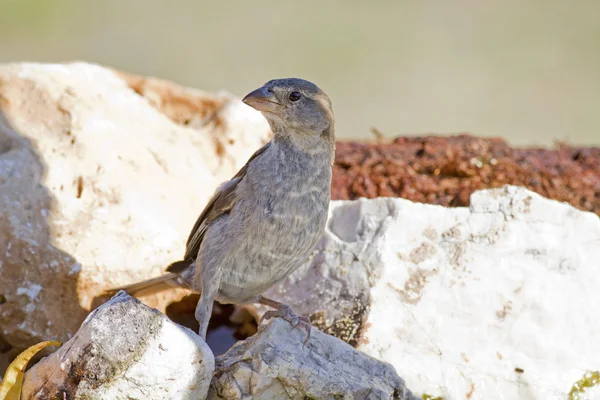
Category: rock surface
[277,364]
[124,350]
[496,301]
[102,176]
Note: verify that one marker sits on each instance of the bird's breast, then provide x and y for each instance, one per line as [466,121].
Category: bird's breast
[283,218]
[277,238]
[294,209]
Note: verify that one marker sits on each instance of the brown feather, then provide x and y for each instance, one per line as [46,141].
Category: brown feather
[147,287]
[220,204]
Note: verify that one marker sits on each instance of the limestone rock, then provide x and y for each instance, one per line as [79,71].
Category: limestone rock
[277,364]
[102,175]
[495,301]
[125,350]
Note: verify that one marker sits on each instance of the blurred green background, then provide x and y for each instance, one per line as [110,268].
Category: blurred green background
[528,70]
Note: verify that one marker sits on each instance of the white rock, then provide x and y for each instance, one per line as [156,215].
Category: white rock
[460,301]
[102,175]
[125,350]
[276,363]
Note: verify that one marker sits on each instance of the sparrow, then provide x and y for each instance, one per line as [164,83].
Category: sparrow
[261,225]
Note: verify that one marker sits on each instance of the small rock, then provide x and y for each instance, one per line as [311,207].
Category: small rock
[277,364]
[124,350]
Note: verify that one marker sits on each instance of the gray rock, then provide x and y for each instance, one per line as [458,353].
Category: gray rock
[276,364]
[125,350]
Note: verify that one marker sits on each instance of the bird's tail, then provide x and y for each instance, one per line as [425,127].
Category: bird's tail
[150,286]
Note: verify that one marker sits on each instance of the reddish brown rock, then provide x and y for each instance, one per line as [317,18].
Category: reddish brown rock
[446,170]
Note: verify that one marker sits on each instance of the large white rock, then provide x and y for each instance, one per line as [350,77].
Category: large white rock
[496,301]
[280,363]
[102,175]
[125,350]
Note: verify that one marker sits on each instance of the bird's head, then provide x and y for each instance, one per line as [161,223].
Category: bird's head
[294,106]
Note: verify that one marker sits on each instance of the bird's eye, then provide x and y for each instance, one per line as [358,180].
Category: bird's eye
[294,96]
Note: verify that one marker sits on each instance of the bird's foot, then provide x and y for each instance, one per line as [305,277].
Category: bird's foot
[284,311]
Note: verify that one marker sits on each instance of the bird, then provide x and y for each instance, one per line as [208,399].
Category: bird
[261,225]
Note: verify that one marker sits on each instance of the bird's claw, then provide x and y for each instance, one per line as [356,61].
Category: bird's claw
[287,314]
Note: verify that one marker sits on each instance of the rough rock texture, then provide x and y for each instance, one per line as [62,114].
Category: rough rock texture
[446,170]
[124,350]
[496,301]
[277,364]
[101,177]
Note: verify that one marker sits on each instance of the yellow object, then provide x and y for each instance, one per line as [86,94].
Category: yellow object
[10,387]
[590,379]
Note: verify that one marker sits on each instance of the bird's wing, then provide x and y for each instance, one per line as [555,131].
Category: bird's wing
[220,204]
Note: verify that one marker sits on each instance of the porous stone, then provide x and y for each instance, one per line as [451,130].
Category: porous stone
[494,301]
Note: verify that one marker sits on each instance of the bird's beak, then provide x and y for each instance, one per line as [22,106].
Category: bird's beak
[262,100]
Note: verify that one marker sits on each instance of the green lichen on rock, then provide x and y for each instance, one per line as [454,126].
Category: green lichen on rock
[346,328]
[590,379]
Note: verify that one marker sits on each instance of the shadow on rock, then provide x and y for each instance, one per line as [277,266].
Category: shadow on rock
[37,280]
[228,323]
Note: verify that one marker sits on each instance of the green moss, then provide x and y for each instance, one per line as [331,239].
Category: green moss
[590,379]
